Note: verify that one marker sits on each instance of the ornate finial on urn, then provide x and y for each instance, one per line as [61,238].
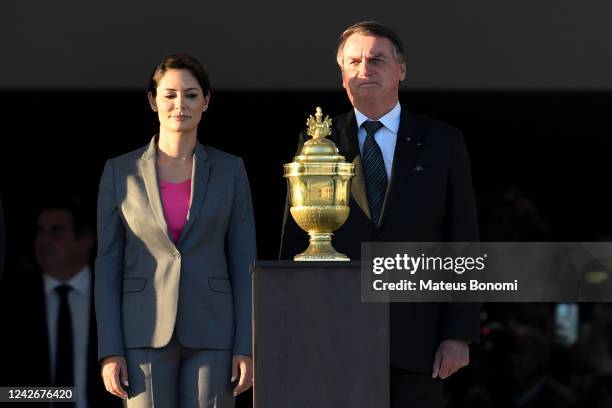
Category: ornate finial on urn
[317,126]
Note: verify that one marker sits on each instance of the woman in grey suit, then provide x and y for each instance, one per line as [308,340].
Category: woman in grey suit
[176,238]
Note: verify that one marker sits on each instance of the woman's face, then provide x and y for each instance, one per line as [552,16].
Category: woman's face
[179,102]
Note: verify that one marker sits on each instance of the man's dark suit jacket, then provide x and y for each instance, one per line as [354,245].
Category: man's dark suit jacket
[24,343]
[429,199]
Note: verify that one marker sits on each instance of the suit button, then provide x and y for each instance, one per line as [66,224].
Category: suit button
[176,255]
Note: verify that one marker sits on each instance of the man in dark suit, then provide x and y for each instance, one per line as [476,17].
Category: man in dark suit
[47,311]
[412,183]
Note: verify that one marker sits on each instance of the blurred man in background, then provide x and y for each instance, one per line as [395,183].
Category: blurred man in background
[49,330]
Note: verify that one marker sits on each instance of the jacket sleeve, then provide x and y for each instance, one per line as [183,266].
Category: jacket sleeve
[241,252]
[109,268]
[461,320]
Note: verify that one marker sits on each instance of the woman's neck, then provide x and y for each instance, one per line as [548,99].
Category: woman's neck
[177,145]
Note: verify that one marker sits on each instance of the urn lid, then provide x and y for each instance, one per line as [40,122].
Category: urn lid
[319,149]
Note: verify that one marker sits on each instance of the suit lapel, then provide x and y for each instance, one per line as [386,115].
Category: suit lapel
[348,145]
[199,182]
[149,174]
[409,140]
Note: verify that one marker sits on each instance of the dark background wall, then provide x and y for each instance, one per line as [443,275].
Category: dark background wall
[263,45]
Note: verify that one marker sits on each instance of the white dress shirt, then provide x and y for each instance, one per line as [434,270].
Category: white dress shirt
[386,136]
[79,300]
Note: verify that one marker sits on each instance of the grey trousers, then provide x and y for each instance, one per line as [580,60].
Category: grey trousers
[179,377]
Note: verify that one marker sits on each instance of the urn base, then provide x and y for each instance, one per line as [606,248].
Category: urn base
[320,249]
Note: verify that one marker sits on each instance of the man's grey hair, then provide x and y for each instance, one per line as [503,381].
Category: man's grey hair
[375,29]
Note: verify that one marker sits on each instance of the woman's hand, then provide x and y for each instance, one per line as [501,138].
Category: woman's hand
[242,370]
[114,374]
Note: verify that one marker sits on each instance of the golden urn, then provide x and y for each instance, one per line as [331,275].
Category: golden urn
[319,189]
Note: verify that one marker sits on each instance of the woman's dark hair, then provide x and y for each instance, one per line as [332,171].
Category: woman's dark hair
[179,61]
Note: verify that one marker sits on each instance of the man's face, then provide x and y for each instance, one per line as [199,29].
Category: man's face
[56,245]
[370,73]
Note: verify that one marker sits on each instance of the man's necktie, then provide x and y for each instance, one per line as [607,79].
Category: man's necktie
[374,167]
[64,366]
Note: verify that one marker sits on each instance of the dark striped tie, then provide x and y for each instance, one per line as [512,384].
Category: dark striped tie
[374,167]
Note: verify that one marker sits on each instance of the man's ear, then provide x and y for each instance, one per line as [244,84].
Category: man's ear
[342,78]
[152,102]
[402,71]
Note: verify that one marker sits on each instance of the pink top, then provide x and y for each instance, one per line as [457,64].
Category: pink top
[175,198]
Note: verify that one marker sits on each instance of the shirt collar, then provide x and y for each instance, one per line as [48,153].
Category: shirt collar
[81,282]
[390,120]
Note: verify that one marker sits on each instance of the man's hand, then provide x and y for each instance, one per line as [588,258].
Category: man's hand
[242,370]
[114,374]
[450,357]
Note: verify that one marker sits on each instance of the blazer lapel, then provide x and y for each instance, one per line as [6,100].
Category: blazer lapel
[199,181]
[348,145]
[409,142]
[149,174]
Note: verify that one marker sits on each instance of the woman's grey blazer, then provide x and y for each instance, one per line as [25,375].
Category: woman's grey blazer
[146,286]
